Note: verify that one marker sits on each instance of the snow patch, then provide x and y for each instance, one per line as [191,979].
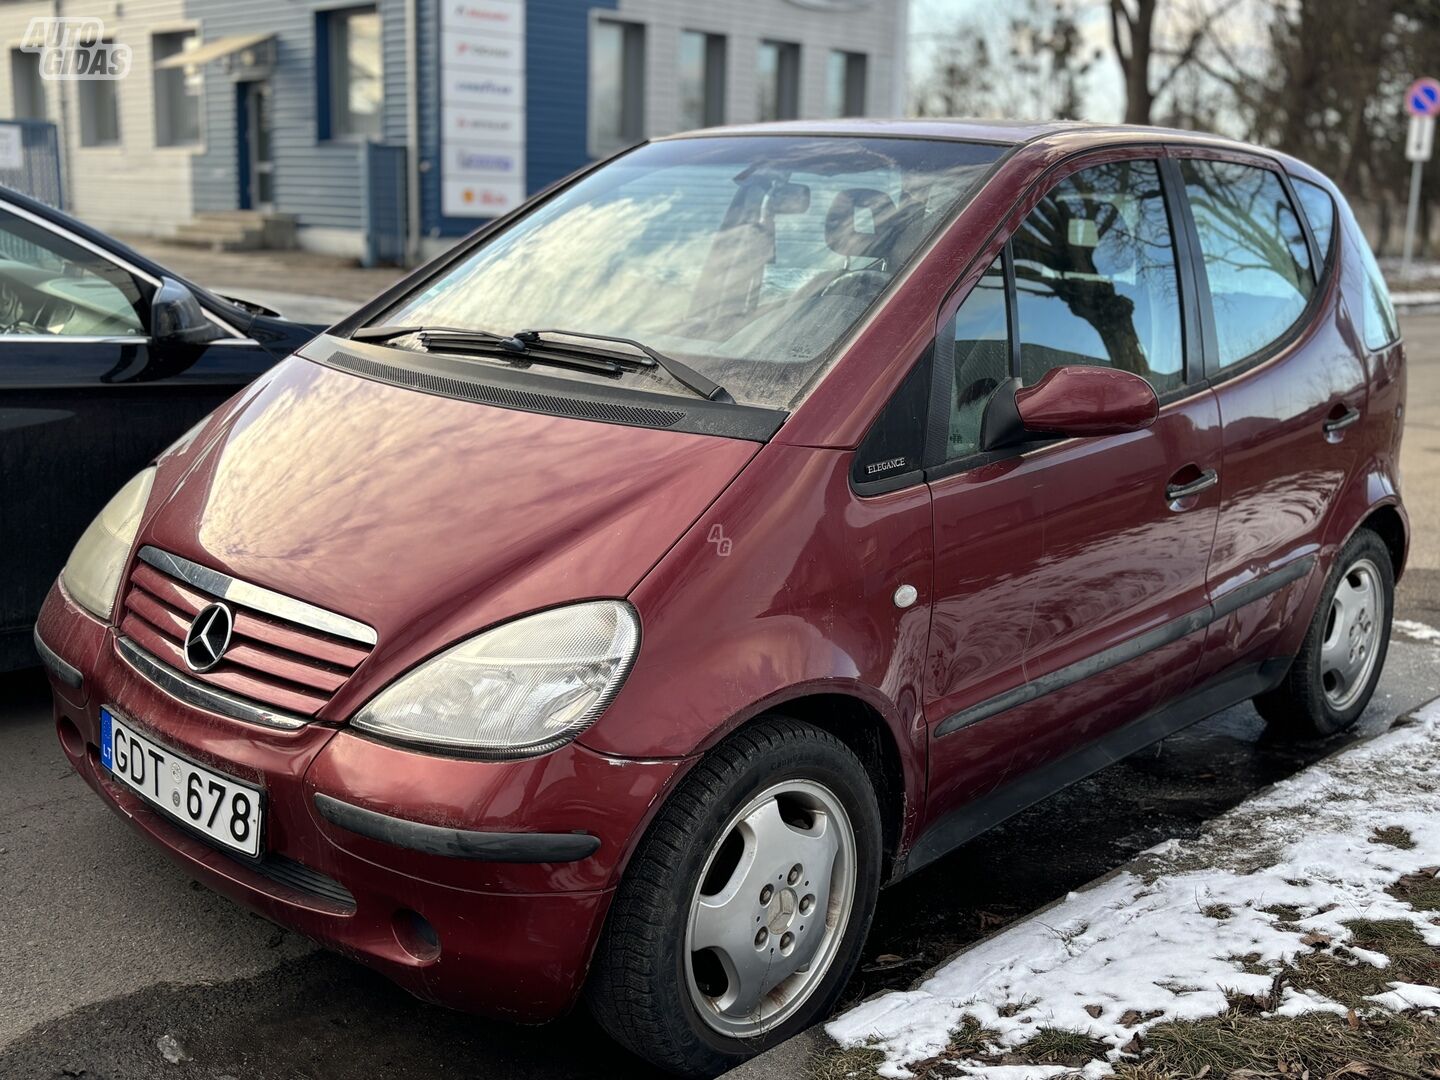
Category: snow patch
[1193,920]
[1418,631]
[1415,298]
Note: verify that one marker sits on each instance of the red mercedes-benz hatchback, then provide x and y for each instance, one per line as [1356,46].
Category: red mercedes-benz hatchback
[618,602]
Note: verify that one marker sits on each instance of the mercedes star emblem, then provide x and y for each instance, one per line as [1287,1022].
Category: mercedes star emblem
[209,637]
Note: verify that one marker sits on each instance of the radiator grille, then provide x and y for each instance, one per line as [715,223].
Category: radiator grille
[276,662]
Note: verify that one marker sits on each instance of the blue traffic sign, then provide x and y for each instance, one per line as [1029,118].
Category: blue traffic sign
[1423,97]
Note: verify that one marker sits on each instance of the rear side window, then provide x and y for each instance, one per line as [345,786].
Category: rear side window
[1256,260]
[1095,276]
[1319,211]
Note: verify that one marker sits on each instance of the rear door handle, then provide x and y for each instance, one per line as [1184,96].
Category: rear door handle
[1341,422]
[1206,480]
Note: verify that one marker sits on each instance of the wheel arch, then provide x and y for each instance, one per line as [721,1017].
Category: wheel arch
[1389,523]
[864,731]
[865,726]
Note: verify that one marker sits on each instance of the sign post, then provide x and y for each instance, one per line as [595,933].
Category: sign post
[1422,102]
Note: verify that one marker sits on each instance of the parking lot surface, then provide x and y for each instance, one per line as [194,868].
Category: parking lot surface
[114,966]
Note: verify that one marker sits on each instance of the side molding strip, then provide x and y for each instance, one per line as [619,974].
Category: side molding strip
[969,821]
[1128,650]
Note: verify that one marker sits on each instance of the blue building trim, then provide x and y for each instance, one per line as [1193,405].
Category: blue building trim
[557,78]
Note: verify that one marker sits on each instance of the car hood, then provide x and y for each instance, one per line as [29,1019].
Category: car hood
[426,517]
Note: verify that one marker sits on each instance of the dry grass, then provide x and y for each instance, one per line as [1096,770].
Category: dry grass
[1421,890]
[969,1041]
[1393,836]
[1059,1046]
[1344,977]
[1216,911]
[972,1039]
[1322,1044]
[839,1063]
[1251,964]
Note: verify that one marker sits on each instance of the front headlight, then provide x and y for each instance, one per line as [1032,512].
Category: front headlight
[520,689]
[92,576]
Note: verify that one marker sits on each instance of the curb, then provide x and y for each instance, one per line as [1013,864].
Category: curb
[790,1060]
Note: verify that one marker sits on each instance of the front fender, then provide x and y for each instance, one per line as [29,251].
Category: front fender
[780,592]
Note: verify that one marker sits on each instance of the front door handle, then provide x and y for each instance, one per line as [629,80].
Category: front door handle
[1341,422]
[1206,480]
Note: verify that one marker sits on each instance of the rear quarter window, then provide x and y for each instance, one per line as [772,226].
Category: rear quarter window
[1380,324]
[1381,327]
[1319,212]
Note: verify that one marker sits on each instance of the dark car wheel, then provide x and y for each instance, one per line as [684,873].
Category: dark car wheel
[743,911]
[1339,664]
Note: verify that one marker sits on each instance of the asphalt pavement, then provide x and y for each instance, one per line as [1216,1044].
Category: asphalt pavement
[113,963]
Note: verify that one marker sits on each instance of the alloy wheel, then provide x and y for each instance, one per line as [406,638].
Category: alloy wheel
[1352,635]
[771,908]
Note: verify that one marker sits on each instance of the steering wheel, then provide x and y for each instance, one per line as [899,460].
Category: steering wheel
[862,283]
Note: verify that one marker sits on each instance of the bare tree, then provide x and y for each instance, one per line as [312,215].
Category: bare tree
[1161,48]
[1033,64]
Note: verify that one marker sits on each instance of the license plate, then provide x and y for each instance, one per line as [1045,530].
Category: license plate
[225,810]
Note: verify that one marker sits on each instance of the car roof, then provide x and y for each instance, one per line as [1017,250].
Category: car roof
[1002,132]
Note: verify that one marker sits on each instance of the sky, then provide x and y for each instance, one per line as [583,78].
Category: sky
[932,21]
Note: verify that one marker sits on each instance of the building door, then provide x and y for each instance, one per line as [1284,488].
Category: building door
[257,161]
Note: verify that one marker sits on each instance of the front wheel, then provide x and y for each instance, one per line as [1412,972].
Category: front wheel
[1339,663]
[743,911]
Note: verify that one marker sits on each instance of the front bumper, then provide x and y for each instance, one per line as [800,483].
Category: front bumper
[426,868]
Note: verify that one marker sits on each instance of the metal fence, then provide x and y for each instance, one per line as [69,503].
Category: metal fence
[30,160]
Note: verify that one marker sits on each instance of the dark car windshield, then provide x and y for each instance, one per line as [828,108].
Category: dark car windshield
[748,257]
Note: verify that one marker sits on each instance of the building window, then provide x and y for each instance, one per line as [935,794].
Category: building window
[702,80]
[845,84]
[99,111]
[27,89]
[353,75]
[617,86]
[777,80]
[177,94]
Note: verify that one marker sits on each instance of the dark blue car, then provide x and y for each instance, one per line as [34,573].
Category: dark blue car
[105,359]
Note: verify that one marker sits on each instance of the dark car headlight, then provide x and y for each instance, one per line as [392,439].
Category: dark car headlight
[92,573]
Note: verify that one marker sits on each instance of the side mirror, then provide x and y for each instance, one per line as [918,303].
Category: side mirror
[176,317]
[1075,401]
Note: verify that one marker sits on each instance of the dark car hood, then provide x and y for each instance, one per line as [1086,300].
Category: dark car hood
[424,516]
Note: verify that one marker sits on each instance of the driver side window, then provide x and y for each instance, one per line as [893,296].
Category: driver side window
[51,286]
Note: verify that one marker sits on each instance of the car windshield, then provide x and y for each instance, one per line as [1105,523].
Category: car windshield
[747,257]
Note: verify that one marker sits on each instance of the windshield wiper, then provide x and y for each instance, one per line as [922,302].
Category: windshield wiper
[527,345]
[468,343]
[678,370]
[447,334]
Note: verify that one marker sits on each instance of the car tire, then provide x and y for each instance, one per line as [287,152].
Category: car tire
[1340,661]
[739,855]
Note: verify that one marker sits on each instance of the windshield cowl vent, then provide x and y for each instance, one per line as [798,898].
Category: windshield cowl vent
[505,397]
